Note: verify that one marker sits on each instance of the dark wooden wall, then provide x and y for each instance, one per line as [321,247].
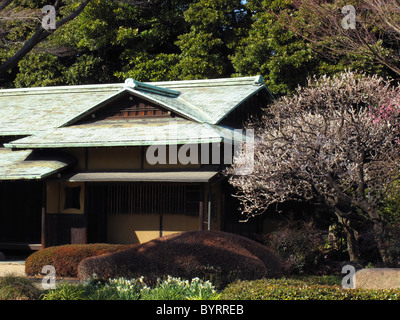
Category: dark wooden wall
[59,226]
[20,211]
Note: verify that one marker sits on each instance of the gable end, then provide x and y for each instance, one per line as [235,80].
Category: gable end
[127,106]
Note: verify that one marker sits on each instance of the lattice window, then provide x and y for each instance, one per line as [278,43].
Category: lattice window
[128,106]
[152,199]
[140,109]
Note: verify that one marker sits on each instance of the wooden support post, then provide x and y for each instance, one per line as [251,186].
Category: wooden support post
[161,225]
[209,213]
[209,196]
[201,216]
[43,225]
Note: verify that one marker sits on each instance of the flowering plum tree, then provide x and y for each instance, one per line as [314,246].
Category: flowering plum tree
[333,142]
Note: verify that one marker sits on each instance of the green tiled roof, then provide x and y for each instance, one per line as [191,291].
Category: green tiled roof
[128,133]
[216,98]
[32,110]
[49,116]
[27,111]
[24,164]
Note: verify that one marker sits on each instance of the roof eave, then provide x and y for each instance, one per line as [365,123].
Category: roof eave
[110,144]
[262,87]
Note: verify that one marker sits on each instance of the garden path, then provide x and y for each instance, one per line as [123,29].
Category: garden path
[16,267]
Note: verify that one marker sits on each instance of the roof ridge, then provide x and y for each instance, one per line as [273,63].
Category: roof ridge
[61,89]
[151,88]
[255,80]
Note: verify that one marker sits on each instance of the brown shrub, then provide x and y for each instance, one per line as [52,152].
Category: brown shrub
[65,258]
[218,256]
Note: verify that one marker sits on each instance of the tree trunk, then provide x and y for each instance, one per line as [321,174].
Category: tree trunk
[379,235]
[351,238]
[352,244]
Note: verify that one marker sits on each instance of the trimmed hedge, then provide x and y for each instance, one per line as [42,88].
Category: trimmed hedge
[66,258]
[212,255]
[292,289]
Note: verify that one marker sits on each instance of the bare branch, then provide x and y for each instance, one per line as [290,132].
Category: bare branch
[40,35]
[4,4]
[377,27]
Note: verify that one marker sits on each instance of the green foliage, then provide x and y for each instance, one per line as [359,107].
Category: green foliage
[390,211]
[128,41]
[301,246]
[201,56]
[133,289]
[177,289]
[390,208]
[300,289]
[17,288]
[284,59]
[65,291]
[171,40]
[93,289]
[145,67]
[31,71]
[304,288]
[294,288]
[120,289]
[85,70]
[98,46]
[216,26]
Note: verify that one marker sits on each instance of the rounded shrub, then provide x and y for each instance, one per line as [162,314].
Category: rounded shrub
[65,258]
[213,255]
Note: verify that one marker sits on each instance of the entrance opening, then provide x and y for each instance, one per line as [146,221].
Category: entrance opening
[20,214]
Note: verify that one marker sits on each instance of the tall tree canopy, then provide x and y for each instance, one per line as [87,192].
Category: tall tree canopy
[284,59]
[110,40]
[106,41]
